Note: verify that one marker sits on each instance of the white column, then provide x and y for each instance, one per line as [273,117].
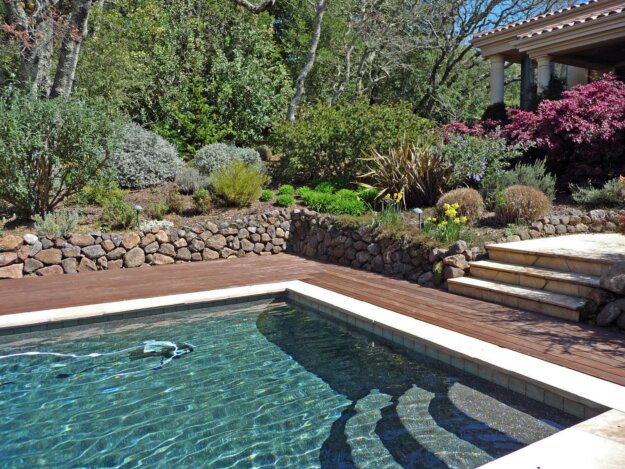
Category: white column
[576,76]
[496,79]
[544,73]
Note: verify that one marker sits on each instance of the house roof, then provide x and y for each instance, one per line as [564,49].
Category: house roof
[582,18]
[534,19]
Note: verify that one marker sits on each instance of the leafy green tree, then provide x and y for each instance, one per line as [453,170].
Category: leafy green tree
[51,149]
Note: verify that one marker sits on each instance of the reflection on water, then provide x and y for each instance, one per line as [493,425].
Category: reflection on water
[264,387]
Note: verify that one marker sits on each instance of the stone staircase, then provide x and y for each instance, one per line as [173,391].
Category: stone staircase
[551,277]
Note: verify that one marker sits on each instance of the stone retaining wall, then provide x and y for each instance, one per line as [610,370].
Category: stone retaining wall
[317,236]
[571,222]
[260,235]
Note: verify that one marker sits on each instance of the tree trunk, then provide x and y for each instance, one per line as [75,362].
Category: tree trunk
[310,61]
[34,71]
[70,48]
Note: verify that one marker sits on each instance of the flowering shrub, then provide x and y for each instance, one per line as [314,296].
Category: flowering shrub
[390,210]
[450,225]
[581,135]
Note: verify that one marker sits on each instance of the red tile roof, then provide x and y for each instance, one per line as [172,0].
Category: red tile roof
[534,18]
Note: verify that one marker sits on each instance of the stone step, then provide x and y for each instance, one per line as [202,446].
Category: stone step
[530,299]
[566,261]
[566,283]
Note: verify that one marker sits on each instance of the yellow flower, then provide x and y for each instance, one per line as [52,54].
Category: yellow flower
[387,196]
[456,206]
[457,221]
[464,219]
[446,206]
[450,212]
[443,223]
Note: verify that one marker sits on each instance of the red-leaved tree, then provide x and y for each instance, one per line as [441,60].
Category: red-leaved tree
[582,135]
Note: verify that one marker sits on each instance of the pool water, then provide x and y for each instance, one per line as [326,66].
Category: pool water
[266,385]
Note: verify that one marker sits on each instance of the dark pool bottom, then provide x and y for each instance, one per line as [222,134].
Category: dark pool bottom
[265,386]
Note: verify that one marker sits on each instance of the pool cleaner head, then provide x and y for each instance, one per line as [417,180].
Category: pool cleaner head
[165,349]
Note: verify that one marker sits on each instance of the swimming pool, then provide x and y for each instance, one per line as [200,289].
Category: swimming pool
[266,385]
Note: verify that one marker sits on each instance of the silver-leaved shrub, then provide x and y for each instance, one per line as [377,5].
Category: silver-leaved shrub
[145,160]
[212,157]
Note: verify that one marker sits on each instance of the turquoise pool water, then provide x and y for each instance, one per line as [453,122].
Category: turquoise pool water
[265,386]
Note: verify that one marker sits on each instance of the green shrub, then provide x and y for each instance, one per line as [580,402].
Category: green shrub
[532,175]
[156,210]
[202,200]
[266,196]
[417,170]
[369,195]
[326,187]
[117,214]
[5,221]
[58,223]
[188,179]
[50,149]
[212,157]
[328,141]
[175,202]
[145,160]
[238,183]
[101,189]
[470,203]
[344,202]
[609,195]
[287,189]
[521,204]
[285,200]
[475,158]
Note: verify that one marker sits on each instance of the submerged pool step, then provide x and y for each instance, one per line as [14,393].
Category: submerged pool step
[566,283]
[530,299]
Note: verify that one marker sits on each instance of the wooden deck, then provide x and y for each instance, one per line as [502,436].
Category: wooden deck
[591,350]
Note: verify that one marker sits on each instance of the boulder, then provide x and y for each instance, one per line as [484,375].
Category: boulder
[7,258]
[116,264]
[134,258]
[30,238]
[600,296]
[161,259]
[32,265]
[613,279]
[163,236]
[115,254]
[70,265]
[452,272]
[10,243]
[12,271]
[183,254]
[70,251]
[108,245]
[50,270]
[93,252]
[458,261]
[424,278]
[216,242]
[130,240]
[609,314]
[87,265]
[209,254]
[457,248]
[167,249]
[82,240]
[147,240]
[247,245]
[152,247]
[50,256]
[23,252]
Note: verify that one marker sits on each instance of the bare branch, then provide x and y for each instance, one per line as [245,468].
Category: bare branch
[266,5]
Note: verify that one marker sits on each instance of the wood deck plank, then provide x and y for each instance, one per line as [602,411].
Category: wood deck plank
[585,348]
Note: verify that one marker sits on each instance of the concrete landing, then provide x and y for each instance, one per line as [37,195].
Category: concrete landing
[601,247]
